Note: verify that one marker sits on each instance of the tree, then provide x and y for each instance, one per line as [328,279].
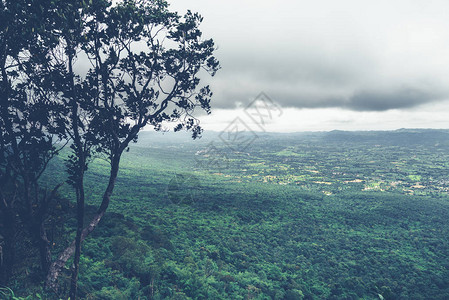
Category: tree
[144,68]
[29,126]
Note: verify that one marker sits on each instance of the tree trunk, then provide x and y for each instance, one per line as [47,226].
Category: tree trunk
[57,265]
[79,181]
[7,253]
[34,221]
[79,231]
[44,248]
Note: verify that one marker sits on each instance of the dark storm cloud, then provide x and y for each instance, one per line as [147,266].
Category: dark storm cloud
[385,100]
[368,100]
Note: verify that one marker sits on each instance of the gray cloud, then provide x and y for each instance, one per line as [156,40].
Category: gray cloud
[396,99]
[329,54]
[321,88]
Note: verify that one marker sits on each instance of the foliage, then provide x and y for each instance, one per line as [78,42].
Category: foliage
[8,294]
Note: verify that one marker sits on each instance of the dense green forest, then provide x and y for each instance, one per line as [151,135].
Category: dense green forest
[331,215]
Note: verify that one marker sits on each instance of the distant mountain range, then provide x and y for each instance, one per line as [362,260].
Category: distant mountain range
[403,136]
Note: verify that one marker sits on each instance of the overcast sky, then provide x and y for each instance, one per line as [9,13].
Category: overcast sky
[330,64]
